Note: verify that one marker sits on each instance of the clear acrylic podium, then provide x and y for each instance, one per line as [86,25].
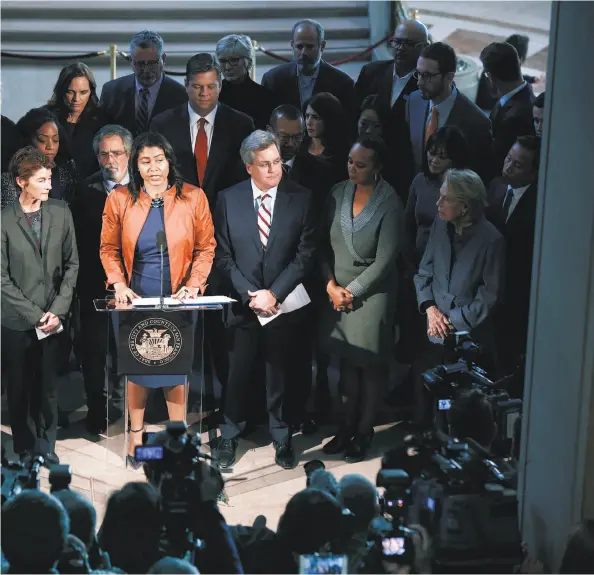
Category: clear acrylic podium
[154,344]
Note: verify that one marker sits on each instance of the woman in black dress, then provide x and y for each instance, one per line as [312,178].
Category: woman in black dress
[41,129]
[75,104]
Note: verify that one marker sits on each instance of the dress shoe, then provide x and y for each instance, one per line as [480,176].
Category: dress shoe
[358,447]
[226,453]
[308,426]
[51,459]
[285,457]
[338,443]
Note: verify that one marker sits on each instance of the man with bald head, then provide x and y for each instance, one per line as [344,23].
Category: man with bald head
[393,82]
[297,81]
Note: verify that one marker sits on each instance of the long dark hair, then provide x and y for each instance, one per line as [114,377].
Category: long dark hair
[33,120]
[152,140]
[453,142]
[67,74]
[336,138]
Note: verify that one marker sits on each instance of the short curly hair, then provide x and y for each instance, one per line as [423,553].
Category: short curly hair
[27,161]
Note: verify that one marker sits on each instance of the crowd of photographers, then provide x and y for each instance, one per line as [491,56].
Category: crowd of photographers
[439,505]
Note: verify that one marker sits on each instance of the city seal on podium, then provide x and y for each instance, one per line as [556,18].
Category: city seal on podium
[155,341]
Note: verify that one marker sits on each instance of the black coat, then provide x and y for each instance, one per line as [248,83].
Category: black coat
[250,98]
[510,122]
[283,81]
[519,242]
[239,257]
[378,78]
[11,141]
[224,167]
[119,99]
[87,212]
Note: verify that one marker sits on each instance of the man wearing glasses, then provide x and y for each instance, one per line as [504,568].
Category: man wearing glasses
[133,100]
[393,82]
[438,103]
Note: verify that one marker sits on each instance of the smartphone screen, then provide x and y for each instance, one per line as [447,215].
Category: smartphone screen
[444,404]
[393,546]
[322,564]
[148,452]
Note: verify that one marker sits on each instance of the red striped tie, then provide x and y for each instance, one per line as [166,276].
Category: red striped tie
[264,219]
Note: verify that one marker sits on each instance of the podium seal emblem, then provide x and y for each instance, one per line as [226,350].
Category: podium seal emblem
[155,341]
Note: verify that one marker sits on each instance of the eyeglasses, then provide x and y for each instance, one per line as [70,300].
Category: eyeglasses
[425,76]
[268,165]
[230,61]
[296,138]
[398,42]
[146,63]
[115,153]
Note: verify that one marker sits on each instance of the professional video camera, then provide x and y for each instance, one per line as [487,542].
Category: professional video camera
[447,382]
[462,497]
[179,470]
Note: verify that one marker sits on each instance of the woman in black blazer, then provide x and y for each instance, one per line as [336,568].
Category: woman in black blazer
[75,104]
[39,271]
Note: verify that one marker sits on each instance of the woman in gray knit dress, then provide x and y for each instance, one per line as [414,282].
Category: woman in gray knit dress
[365,235]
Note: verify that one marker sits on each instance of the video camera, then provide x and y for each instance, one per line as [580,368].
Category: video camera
[446,382]
[17,476]
[459,494]
[178,468]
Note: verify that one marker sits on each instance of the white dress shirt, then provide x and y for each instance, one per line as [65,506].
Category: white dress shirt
[152,95]
[110,184]
[517,195]
[208,126]
[505,99]
[398,84]
[258,194]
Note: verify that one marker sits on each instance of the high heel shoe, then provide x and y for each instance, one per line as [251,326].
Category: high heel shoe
[131,460]
[357,449]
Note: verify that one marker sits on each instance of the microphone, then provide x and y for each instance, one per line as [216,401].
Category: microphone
[161,244]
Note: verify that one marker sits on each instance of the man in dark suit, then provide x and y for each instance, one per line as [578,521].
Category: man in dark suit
[112,145]
[512,115]
[131,101]
[512,208]
[438,103]
[206,134]
[296,82]
[265,232]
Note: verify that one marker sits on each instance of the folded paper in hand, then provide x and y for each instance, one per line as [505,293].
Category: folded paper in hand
[297,299]
[43,335]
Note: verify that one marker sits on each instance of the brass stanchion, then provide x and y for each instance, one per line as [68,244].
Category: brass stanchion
[113,54]
[253,70]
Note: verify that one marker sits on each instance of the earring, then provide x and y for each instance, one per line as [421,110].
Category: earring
[377,177]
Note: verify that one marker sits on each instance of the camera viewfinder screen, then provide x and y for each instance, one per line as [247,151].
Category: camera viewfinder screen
[322,565]
[393,546]
[444,404]
[149,453]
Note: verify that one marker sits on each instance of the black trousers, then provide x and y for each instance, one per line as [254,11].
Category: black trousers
[276,345]
[94,328]
[32,386]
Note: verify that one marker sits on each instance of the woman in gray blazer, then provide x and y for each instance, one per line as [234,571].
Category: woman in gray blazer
[360,267]
[461,276]
[446,148]
[39,270]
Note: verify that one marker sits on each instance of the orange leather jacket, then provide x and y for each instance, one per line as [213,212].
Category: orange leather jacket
[188,228]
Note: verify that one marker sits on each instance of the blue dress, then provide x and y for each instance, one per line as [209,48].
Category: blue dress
[146,280]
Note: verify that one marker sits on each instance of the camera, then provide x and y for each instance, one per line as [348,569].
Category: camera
[180,471]
[461,496]
[446,382]
[323,563]
[16,477]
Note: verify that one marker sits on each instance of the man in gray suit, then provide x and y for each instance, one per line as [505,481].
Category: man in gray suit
[39,271]
[438,103]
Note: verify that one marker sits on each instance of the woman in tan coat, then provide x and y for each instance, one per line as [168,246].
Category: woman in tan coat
[156,202]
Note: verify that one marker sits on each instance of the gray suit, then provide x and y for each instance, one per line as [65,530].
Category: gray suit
[33,283]
[464,115]
[467,290]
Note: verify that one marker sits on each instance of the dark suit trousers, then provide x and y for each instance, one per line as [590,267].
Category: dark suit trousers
[94,347]
[32,386]
[276,345]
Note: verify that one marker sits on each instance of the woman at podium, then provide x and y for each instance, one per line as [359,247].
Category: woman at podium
[157,210]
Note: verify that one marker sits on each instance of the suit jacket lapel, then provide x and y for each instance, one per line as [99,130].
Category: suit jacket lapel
[279,214]
[529,196]
[160,105]
[129,102]
[25,228]
[46,224]
[218,144]
[184,135]
[246,205]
